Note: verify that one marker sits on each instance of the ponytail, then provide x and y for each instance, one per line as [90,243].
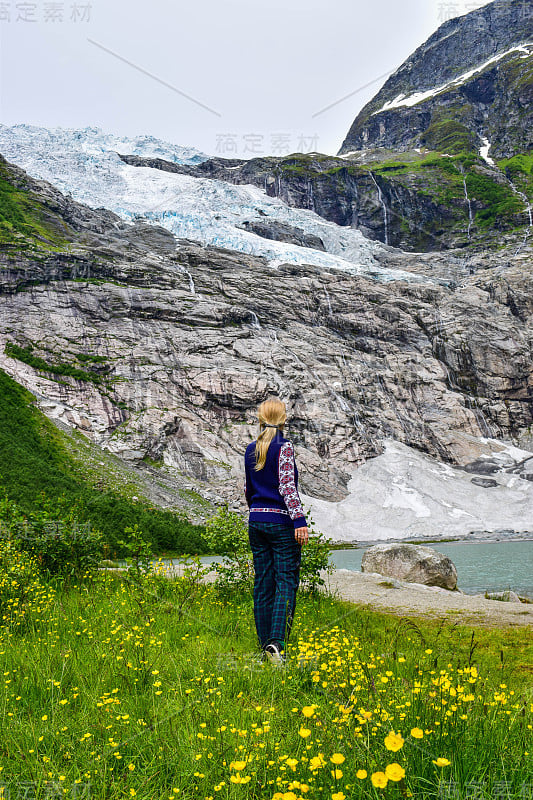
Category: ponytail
[272,416]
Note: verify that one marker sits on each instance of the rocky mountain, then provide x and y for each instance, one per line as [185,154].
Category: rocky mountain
[440,157]
[469,85]
[159,349]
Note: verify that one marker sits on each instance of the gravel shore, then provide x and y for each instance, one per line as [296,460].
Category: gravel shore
[414,599]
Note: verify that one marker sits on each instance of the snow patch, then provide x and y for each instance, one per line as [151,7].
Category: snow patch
[484,151]
[419,97]
[390,498]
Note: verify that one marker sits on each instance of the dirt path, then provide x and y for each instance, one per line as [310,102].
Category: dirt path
[414,599]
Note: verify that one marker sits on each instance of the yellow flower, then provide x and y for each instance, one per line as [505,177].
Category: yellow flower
[336,773]
[131,767]
[238,765]
[304,732]
[289,796]
[361,774]
[338,796]
[394,772]
[442,762]
[317,762]
[308,711]
[337,758]
[379,780]
[44,717]
[416,733]
[394,742]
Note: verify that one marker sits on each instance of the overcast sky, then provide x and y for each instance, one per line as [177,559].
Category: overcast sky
[233,78]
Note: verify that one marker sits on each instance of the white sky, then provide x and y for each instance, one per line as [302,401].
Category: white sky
[265,69]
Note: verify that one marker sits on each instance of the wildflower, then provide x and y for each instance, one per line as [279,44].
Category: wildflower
[394,772]
[317,762]
[379,780]
[238,765]
[394,742]
[304,732]
[442,762]
[417,733]
[308,711]
[338,796]
[337,758]
[361,774]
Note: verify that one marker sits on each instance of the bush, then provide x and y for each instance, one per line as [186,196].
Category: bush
[227,535]
[62,547]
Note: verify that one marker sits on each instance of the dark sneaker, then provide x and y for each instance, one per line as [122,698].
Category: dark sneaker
[274,654]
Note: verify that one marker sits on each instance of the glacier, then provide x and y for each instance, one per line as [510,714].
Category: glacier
[84,164]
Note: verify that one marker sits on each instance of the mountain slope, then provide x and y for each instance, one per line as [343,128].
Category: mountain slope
[43,467]
[471,79]
[159,350]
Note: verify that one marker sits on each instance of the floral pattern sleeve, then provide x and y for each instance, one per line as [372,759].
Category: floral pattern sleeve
[287,485]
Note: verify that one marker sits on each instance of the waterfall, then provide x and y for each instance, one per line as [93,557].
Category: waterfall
[383,205]
[310,196]
[329,303]
[459,167]
[255,322]
[470,218]
[527,204]
[191,282]
[473,404]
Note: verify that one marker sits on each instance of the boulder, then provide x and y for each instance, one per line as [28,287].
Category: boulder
[411,562]
[507,596]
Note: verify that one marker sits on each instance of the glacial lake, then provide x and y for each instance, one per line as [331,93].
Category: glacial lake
[481,566]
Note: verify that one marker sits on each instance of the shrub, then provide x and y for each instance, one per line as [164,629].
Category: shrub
[62,547]
[227,535]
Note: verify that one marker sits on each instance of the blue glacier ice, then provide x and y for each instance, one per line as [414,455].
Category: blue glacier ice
[84,163]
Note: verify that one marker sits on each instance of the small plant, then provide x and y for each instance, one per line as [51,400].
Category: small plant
[60,546]
[140,555]
[227,535]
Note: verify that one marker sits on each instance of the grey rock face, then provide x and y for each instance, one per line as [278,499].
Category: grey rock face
[411,562]
[180,343]
[281,232]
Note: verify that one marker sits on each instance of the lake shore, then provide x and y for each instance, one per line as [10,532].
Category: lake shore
[416,600]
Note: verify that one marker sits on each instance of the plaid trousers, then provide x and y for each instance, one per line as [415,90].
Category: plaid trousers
[277,558]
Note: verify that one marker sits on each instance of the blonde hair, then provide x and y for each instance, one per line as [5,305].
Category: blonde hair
[271,412]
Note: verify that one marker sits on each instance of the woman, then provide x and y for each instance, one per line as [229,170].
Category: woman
[277,528]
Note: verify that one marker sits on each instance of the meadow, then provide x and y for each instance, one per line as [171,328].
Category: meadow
[146,686]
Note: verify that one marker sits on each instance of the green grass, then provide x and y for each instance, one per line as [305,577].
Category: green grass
[154,692]
[26,355]
[39,472]
[25,222]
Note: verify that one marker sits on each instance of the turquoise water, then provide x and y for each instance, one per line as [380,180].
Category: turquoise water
[481,566]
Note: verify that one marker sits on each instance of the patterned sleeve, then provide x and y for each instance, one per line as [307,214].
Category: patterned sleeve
[287,486]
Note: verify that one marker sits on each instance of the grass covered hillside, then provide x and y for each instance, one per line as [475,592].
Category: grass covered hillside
[41,474]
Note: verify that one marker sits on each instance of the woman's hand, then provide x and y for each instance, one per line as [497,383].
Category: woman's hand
[301,535]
